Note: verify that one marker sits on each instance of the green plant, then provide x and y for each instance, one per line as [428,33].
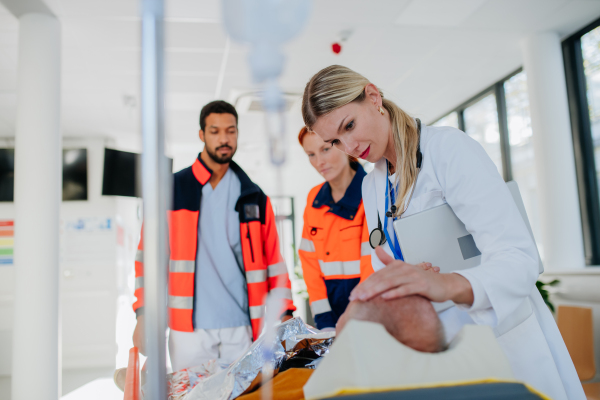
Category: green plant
[542,287]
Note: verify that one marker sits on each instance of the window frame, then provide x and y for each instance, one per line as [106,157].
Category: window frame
[583,146]
[498,90]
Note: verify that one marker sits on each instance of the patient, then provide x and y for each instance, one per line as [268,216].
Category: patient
[410,320]
[389,346]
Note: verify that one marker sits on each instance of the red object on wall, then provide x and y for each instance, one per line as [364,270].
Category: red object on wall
[336,48]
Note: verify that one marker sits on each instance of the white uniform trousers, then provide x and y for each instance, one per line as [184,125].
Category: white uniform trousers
[191,349]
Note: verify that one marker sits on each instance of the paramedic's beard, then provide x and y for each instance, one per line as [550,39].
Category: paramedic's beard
[221,159]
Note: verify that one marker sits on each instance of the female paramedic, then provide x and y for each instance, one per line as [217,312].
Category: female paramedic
[334,251]
[419,167]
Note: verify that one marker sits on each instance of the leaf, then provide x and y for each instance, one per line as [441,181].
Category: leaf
[544,292]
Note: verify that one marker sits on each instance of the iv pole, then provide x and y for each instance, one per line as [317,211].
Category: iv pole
[156,185]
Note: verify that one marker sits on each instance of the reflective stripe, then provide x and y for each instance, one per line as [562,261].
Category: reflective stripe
[182,266]
[256,276]
[139,282]
[181,302]
[139,256]
[257,312]
[278,269]
[320,307]
[340,267]
[307,245]
[365,249]
[282,293]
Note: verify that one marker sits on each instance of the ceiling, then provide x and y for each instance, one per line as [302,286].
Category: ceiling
[428,55]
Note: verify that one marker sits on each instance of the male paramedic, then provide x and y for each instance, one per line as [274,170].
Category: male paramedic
[224,253]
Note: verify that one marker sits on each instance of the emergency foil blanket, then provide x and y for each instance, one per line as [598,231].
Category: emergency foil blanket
[306,353]
[180,383]
[233,381]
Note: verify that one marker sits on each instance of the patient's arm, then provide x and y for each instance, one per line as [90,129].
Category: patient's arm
[411,320]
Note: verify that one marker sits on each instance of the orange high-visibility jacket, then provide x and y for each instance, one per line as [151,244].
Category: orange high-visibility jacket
[265,268]
[335,251]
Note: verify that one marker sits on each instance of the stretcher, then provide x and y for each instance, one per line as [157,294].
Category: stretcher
[481,391]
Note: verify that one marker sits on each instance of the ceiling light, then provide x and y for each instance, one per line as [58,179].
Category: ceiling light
[438,12]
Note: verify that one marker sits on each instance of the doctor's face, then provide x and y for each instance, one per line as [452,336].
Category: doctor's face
[358,128]
[328,161]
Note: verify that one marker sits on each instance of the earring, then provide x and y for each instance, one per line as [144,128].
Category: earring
[381,110]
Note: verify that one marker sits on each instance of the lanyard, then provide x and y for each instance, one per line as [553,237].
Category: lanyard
[394,245]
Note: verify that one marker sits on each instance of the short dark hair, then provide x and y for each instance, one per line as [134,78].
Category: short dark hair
[216,107]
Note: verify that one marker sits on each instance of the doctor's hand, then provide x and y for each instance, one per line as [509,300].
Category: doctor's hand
[425,266]
[400,279]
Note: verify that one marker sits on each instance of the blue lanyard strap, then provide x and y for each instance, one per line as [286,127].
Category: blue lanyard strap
[394,245]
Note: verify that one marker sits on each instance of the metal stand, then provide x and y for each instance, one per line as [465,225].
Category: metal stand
[156,182]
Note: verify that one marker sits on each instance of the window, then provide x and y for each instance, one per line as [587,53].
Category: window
[590,49]
[498,118]
[481,123]
[581,53]
[449,120]
[484,118]
[520,139]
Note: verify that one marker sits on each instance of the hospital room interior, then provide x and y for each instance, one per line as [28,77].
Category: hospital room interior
[300,199]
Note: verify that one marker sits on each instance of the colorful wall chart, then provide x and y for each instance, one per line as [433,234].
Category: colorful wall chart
[7,242]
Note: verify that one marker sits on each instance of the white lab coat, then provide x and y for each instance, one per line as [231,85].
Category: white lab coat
[456,170]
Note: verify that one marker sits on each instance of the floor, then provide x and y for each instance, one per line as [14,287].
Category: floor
[98,389]
[79,384]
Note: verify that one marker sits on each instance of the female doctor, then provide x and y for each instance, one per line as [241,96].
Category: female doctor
[419,167]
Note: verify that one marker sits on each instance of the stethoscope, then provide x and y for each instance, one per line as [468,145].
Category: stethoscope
[379,235]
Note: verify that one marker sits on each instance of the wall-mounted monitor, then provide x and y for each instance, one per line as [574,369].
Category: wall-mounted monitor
[122,174]
[74,175]
[7,174]
[74,171]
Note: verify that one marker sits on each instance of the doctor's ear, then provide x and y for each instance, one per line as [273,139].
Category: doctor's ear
[372,95]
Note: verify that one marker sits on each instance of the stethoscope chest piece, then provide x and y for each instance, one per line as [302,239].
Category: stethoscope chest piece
[377,237]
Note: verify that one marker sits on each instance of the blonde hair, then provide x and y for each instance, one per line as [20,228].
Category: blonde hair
[334,87]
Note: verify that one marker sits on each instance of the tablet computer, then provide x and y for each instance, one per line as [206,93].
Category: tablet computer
[438,236]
